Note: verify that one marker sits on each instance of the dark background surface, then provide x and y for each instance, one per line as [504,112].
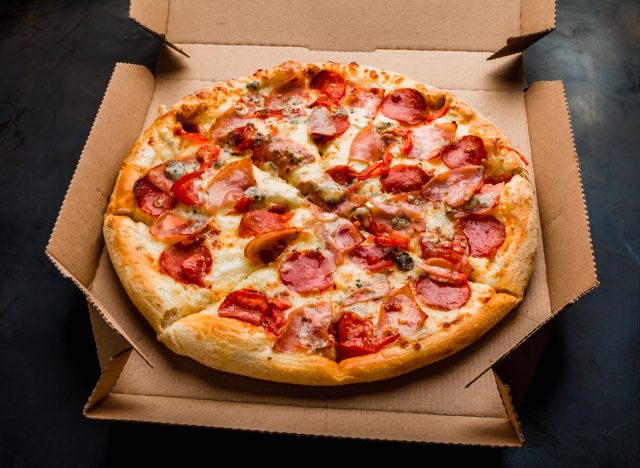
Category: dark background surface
[56,57]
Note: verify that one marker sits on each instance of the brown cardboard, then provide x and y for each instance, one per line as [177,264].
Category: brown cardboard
[356,25]
[455,401]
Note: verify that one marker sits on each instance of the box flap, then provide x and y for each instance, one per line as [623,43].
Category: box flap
[108,379]
[571,268]
[357,25]
[76,242]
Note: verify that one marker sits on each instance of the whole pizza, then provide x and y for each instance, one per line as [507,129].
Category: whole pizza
[322,224]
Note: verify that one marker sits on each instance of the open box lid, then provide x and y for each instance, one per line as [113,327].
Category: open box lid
[565,263]
[500,26]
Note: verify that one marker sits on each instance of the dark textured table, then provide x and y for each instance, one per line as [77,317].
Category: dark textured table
[583,405]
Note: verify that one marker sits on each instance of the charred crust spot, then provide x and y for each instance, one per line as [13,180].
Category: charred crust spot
[404,342]
[417,346]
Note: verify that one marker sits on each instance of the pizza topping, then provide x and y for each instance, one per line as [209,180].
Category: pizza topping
[307,329]
[355,337]
[395,214]
[330,84]
[403,260]
[244,138]
[195,138]
[286,154]
[152,200]
[436,245]
[368,99]
[374,257]
[170,227]
[443,271]
[454,187]
[430,140]
[400,313]
[258,222]
[404,178]
[484,200]
[485,234]
[469,151]
[266,247]
[379,168]
[367,145]
[187,263]
[346,236]
[255,307]
[321,123]
[164,175]
[437,295]
[376,289]
[405,105]
[307,271]
[344,175]
[246,305]
[291,93]
[229,183]
[186,189]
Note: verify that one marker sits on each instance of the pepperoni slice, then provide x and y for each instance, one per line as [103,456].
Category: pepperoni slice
[455,186]
[258,222]
[367,145]
[429,140]
[172,228]
[285,153]
[405,105]
[340,120]
[229,183]
[344,175]
[331,84]
[306,271]
[378,288]
[404,178]
[266,247]
[469,151]
[368,99]
[152,200]
[158,178]
[400,313]
[442,296]
[484,200]
[246,305]
[373,257]
[485,233]
[307,329]
[187,264]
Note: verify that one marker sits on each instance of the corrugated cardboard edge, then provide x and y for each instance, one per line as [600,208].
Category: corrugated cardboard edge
[117,76]
[505,393]
[537,19]
[152,16]
[107,380]
[297,420]
[560,120]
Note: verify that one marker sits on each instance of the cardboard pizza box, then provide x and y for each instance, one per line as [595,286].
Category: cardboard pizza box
[472,48]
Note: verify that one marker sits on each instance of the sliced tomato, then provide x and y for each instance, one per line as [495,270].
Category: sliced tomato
[184,189]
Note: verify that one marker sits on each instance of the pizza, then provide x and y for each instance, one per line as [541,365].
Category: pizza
[322,224]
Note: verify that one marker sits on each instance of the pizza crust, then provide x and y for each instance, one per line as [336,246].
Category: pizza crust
[175,310]
[231,345]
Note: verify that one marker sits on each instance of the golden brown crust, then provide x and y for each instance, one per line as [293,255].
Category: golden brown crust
[234,346]
[134,254]
[175,310]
